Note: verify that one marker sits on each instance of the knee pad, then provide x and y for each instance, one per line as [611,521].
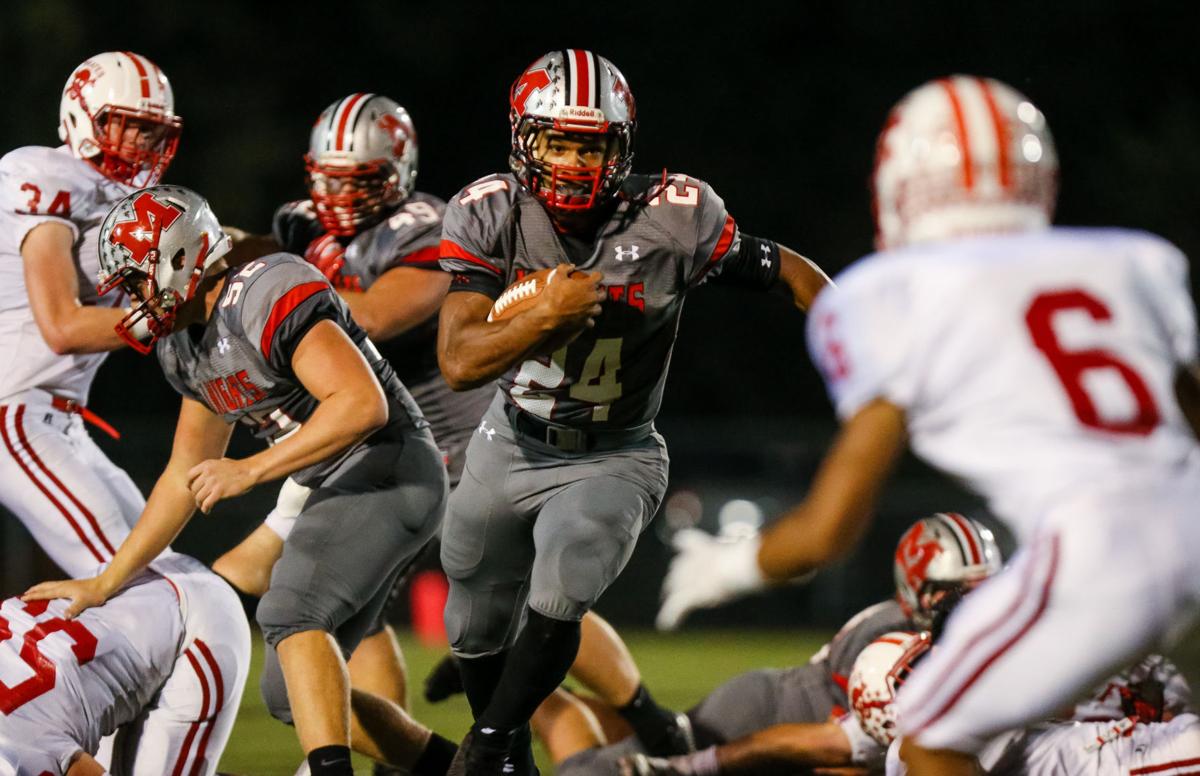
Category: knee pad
[282,612]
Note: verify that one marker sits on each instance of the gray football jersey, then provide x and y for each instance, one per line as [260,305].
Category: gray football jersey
[658,243]
[407,238]
[839,654]
[239,363]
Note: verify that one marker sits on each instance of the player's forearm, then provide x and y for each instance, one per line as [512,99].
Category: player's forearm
[167,511]
[383,317]
[478,353]
[341,420]
[76,328]
[784,748]
[803,278]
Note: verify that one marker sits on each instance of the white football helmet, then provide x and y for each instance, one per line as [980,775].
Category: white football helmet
[118,113]
[878,672]
[577,93]
[361,162]
[939,559]
[157,244]
[962,156]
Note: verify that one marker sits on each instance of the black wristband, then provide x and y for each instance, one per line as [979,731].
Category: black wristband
[755,266]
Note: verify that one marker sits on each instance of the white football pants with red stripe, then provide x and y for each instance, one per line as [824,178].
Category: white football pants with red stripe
[77,504]
[1105,579]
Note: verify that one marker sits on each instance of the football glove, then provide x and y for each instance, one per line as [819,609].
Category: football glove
[708,571]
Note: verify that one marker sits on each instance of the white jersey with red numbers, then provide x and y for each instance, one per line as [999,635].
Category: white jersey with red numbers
[48,185]
[165,659]
[1035,366]
[1039,369]
[1090,749]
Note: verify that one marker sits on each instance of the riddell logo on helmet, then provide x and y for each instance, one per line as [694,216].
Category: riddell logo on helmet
[577,112]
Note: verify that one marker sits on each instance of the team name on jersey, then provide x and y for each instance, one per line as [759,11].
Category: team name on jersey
[632,294]
[232,392]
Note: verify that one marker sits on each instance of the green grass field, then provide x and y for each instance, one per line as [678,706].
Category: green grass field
[679,669]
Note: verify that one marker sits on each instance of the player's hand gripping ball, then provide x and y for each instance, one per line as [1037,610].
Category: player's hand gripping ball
[568,299]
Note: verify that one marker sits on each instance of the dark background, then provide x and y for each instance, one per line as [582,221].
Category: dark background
[775,104]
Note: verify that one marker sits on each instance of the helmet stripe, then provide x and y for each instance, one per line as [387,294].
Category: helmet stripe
[141,71]
[960,128]
[355,114]
[583,81]
[967,537]
[569,74]
[1002,159]
[345,109]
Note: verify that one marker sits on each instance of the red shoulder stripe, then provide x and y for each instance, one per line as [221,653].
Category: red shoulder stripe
[284,307]
[452,250]
[722,247]
[427,255]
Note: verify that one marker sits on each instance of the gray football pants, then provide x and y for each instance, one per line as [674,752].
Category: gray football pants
[529,523]
[357,533]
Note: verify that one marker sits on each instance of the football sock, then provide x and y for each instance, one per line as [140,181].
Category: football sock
[444,680]
[436,757]
[652,724]
[536,664]
[480,675]
[332,760]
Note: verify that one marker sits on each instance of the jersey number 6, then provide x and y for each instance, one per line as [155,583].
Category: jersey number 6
[1071,365]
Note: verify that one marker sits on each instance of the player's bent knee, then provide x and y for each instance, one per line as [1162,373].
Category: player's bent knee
[282,613]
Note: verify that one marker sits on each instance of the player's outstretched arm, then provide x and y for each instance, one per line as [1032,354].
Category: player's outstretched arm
[52,283]
[199,435]
[786,748]
[803,278]
[473,351]
[351,405]
[827,524]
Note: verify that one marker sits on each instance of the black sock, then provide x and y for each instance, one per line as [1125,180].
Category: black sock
[537,663]
[435,758]
[333,760]
[480,675]
[651,723]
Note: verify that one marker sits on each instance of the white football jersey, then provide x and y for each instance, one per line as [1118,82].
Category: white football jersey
[64,684]
[40,185]
[1034,366]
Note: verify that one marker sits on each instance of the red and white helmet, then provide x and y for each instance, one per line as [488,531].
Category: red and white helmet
[940,555]
[878,672]
[361,162]
[962,156]
[107,96]
[157,244]
[576,92]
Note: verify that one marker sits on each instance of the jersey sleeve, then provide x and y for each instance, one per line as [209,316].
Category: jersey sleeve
[418,236]
[717,236]
[1165,271]
[858,333]
[469,245]
[295,226]
[280,302]
[34,191]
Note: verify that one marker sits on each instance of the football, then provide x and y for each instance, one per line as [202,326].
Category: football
[521,295]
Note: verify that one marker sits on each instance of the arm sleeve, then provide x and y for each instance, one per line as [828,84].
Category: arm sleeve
[1166,274]
[421,249]
[754,266]
[858,335]
[717,236]
[281,304]
[468,247]
[295,225]
[32,197]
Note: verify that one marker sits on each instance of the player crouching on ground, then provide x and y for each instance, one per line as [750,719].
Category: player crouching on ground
[271,345]
[172,689]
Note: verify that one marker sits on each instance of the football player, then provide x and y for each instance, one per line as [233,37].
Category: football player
[272,346]
[1054,370]
[173,689]
[368,230]
[800,715]
[119,128]
[566,469]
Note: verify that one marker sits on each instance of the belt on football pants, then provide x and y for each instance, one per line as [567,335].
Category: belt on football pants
[72,407]
[569,439]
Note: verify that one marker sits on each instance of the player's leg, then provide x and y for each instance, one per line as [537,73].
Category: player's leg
[66,504]
[566,726]
[248,565]
[377,666]
[1074,605]
[345,549]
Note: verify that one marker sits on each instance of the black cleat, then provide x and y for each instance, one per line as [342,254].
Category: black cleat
[674,738]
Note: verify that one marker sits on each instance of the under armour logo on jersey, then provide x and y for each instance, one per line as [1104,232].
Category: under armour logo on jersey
[487,432]
[766,257]
[631,253]
[223,345]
